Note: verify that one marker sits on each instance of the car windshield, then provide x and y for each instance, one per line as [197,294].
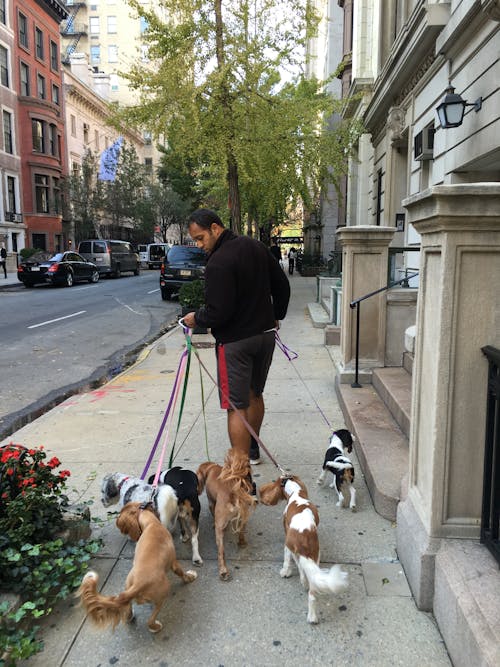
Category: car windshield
[56,258]
[183,253]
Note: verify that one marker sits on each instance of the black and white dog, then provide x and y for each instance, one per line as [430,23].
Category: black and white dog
[185,484]
[341,467]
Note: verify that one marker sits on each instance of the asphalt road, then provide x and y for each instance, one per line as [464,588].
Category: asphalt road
[54,341]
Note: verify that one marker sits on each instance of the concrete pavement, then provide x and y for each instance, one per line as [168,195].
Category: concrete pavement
[257,618]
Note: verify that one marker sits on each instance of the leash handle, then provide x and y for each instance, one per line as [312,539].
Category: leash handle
[288,352]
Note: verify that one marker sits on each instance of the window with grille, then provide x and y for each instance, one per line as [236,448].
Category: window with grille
[38,135]
[3,12]
[11,194]
[54,56]
[55,94]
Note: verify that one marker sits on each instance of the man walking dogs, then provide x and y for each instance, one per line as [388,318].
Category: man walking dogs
[246,294]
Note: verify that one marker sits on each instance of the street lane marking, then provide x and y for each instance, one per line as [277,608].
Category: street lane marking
[154,290]
[58,319]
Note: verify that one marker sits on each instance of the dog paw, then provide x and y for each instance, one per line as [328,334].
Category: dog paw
[224,576]
[312,619]
[285,572]
[198,561]
[190,575]
[354,508]
[155,627]
[319,481]
[185,538]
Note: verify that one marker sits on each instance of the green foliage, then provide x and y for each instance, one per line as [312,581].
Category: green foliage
[28,252]
[233,123]
[192,294]
[83,191]
[35,563]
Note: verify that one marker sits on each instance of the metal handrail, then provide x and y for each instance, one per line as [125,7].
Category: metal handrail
[356,304]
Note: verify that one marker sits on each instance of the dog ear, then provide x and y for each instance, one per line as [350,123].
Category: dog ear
[128,521]
[271,493]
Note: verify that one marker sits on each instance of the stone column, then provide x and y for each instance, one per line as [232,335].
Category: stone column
[364,269]
[458,312]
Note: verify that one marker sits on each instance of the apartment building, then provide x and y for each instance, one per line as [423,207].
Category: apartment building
[11,219]
[40,119]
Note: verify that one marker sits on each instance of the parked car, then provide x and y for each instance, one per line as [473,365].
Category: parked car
[153,254]
[112,257]
[63,268]
[182,264]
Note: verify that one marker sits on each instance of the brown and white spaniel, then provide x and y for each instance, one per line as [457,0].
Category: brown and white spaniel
[147,581]
[300,520]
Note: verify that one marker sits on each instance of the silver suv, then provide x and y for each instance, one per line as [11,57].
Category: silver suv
[111,257]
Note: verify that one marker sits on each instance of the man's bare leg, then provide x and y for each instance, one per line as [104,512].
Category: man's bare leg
[239,436]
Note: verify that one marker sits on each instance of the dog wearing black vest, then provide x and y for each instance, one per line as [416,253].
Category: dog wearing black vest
[340,465]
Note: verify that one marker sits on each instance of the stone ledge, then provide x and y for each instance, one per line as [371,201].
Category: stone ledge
[467,602]
[381,447]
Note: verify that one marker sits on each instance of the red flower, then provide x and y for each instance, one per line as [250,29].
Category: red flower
[64,473]
[10,471]
[54,462]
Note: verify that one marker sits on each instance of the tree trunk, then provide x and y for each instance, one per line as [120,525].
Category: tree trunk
[232,167]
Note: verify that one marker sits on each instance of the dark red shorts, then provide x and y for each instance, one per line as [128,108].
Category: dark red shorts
[243,366]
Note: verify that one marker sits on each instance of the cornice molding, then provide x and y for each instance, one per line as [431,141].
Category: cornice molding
[491,8]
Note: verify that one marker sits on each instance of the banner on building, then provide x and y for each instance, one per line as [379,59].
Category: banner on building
[109,161]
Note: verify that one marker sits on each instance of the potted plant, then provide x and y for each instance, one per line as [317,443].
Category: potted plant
[192,297]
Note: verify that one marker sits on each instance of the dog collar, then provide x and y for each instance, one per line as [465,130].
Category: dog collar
[122,482]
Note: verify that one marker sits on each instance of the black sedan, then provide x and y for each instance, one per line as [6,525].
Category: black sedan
[63,268]
[182,264]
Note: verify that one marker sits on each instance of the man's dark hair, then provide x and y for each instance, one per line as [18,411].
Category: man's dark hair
[204,218]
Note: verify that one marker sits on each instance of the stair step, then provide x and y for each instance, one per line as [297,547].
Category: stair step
[381,447]
[408,362]
[394,388]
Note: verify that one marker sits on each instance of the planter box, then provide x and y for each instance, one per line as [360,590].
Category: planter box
[310,271]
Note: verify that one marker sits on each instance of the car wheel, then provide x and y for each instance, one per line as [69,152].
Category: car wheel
[94,278]
[68,281]
[117,272]
[166,294]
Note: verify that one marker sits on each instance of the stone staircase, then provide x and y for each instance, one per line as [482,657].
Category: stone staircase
[379,416]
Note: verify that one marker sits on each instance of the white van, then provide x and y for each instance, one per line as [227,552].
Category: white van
[153,254]
[112,257]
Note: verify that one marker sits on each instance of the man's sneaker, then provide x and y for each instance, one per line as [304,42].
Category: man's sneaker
[254,453]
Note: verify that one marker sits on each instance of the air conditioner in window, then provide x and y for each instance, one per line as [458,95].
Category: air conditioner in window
[86,127]
[423,144]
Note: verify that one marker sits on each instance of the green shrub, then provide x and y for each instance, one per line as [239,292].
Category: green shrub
[35,563]
[192,294]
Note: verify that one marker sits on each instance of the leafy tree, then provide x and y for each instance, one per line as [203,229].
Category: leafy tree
[169,209]
[84,193]
[253,139]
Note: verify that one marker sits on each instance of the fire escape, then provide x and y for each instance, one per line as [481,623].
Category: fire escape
[71,29]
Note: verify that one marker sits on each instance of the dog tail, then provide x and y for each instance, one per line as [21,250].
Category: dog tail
[201,474]
[101,609]
[334,580]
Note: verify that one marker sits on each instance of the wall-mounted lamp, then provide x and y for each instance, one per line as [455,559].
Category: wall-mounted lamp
[451,110]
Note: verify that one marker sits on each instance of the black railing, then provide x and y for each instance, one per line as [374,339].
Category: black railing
[357,304]
[393,267]
[490,515]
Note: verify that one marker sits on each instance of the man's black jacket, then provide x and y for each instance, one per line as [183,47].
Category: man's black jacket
[246,290]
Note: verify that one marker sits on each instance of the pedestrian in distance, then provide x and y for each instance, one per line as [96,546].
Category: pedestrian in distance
[275,251]
[292,255]
[246,294]
[3,259]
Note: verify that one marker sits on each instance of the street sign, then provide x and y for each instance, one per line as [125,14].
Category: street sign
[294,240]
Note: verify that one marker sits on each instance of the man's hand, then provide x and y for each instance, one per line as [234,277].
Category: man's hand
[189,320]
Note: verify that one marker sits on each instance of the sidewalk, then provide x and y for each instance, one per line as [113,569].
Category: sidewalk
[257,618]
[10,281]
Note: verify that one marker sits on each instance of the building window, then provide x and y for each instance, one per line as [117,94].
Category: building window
[75,169]
[40,87]
[86,129]
[38,136]
[112,53]
[23,30]
[39,241]
[55,94]
[380,192]
[73,126]
[4,66]
[111,24]
[8,137]
[143,24]
[113,80]
[11,194]
[25,80]
[147,138]
[95,54]
[54,56]
[3,12]
[94,25]
[96,140]
[148,164]
[39,44]
[56,195]
[53,139]
[42,193]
